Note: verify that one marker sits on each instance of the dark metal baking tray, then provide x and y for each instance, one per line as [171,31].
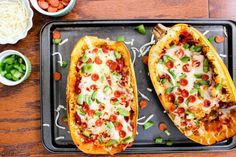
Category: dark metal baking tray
[53,93]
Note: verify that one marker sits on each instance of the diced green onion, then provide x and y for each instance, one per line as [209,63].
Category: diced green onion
[195,85]
[88,99]
[158,140]
[187,101]
[201,92]
[97,113]
[160,61]
[116,75]
[165,59]
[94,95]
[211,39]
[8,76]
[64,64]
[167,132]
[8,60]
[169,143]
[107,90]
[124,112]
[186,46]
[218,86]
[87,68]
[202,82]
[116,103]
[205,65]
[185,59]
[120,38]
[127,140]
[109,125]
[169,90]
[81,112]
[80,99]
[198,76]
[111,142]
[182,76]
[141,29]
[192,48]
[172,46]
[117,54]
[86,133]
[148,125]
[56,41]
[163,81]
[172,73]
[65,119]
[84,58]
[193,91]
[197,48]
[100,140]
[170,58]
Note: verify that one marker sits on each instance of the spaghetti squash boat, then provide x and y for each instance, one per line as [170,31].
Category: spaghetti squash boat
[101,96]
[193,84]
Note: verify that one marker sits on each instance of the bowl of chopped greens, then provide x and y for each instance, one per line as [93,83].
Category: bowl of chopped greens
[14,67]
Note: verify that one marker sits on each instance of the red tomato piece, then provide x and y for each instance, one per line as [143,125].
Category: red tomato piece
[84,125]
[186,68]
[95,50]
[118,126]
[105,50]
[117,94]
[122,133]
[57,76]
[111,64]
[145,60]
[185,93]
[93,87]
[162,126]
[101,107]
[172,108]
[179,91]
[205,77]
[56,35]
[94,77]
[99,122]
[192,98]
[179,53]
[77,119]
[113,118]
[91,112]
[183,82]
[196,63]
[180,110]
[180,99]
[169,64]
[171,97]
[143,103]
[97,60]
[207,103]
[219,39]
[86,108]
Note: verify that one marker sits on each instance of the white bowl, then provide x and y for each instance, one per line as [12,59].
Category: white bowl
[62,12]
[7,82]
[23,33]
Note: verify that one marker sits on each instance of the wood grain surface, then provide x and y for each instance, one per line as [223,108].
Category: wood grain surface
[20,105]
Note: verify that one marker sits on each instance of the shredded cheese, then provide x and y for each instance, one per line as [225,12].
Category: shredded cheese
[59,138]
[58,115]
[13,19]
[129,42]
[223,55]
[46,125]
[149,89]
[63,42]
[148,118]
[145,48]
[225,31]
[134,49]
[207,31]
[143,96]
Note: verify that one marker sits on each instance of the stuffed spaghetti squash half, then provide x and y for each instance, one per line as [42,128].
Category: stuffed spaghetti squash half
[101,96]
[193,84]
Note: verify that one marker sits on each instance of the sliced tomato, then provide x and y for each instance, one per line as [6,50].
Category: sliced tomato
[113,118]
[169,64]
[183,82]
[99,122]
[89,60]
[143,103]
[118,126]
[112,65]
[95,77]
[95,50]
[86,108]
[179,53]
[101,107]
[93,87]
[162,126]
[122,133]
[205,77]
[186,68]
[105,50]
[117,93]
[120,65]
[180,99]
[56,34]
[196,63]
[185,93]
[172,108]
[207,103]
[77,119]
[97,60]
[171,97]
[179,91]
[180,110]
[91,112]
[192,98]
[145,60]
[109,80]
[113,99]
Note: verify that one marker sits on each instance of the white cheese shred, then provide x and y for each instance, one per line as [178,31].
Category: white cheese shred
[148,118]
[47,125]
[149,89]
[141,118]
[58,115]
[205,33]
[143,96]
[63,42]
[88,42]
[129,42]
[145,48]
[223,55]
[13,18]
[225,31]
[134,49]
[60,57]
[59,138]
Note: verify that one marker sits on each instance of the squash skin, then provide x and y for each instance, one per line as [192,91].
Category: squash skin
[164,38]
[71,97]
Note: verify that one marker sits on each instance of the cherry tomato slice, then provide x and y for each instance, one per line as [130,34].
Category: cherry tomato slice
[162,126]
[122,133]
[186,68]
[180,110]
[207,103]
[143,103]
[86,108]
[118,126]
[179,53]
[145,60]
[94,77]
[205,77]
[95,50]
[93,87]
[171,97]
[97,60]
[185,93]
[180,99]
[112,118]
[169,64]
[117,94]
[111,64]
[192,98]
[99,122]
[91,112]
[183,82]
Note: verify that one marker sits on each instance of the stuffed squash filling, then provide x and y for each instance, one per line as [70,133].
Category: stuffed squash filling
[103,110]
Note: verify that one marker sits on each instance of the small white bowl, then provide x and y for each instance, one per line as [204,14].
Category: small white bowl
[7,53]
[63,12]
[23,33]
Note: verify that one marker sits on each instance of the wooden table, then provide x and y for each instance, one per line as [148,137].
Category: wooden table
[20,105]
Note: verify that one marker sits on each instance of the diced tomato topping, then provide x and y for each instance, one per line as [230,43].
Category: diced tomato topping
[172,108]
[120,65]
[86,108]
[186,68]
[171,97]
[99,122]
[117,93]
[56,76]
[179,52]
[180,99]
[185,93]
[105,50]
[169,64]
[179,91]
[112,65]
[97,60]
[89,60]
[145,60]
[101,107]
[77,119]
[95,77]
[143,103]
[196,63]
[84,125]
[113,99]
[207,103]
[122,133]
[183,82]
[91,112]
[180,110]
[219,39]
[205,77]
[192,98]
[109,80]
[93,87]
[118,126]
[113,118]
[162,126]
[95,50]
[56,35]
